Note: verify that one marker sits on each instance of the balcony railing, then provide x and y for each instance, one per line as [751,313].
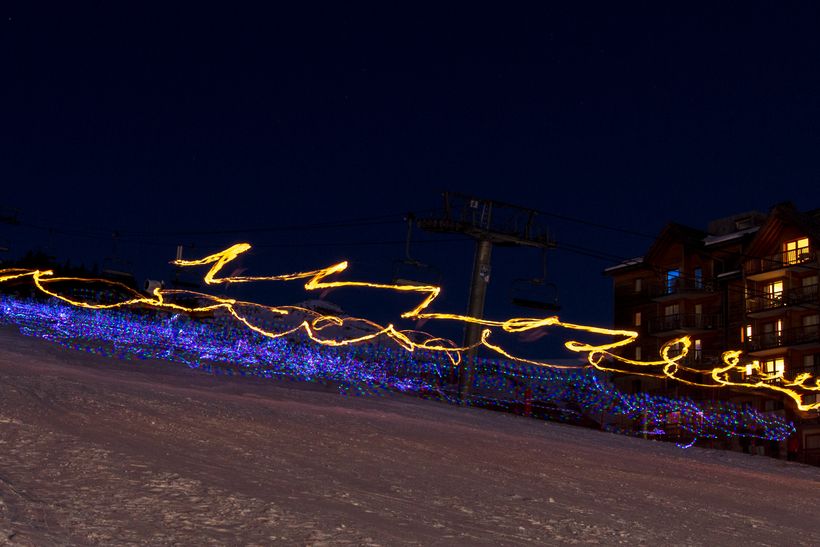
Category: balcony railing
[780,260]
[793,297]
[699,358]
[681,287]
[788,337]
[803,295]
[692,321]
[763,303]
[794,372]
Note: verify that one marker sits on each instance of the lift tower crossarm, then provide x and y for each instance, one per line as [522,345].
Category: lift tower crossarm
[488,222]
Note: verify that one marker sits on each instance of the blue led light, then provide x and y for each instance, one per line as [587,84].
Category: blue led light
[220,347]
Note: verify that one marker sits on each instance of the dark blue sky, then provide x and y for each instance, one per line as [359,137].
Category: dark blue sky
[159,122]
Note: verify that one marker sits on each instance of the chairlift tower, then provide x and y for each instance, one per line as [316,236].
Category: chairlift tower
[489,223]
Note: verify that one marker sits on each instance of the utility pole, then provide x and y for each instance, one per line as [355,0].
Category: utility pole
[488,222]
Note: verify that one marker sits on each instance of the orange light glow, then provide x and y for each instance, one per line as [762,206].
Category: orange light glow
[733,373]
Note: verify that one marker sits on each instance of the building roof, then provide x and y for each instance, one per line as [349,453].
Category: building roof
[625,264]
[765,229]
[782,214]
[726,275]
[675,233]
[715,240]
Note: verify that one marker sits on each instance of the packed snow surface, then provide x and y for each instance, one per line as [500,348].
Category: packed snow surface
[104,451]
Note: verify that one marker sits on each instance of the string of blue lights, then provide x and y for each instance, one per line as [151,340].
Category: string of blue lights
[218,345]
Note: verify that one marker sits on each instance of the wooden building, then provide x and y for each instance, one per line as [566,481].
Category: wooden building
[748,282]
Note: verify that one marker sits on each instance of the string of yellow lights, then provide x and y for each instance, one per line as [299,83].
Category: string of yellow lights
[732,373]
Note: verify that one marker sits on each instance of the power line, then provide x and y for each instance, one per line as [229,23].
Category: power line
[332,224]
[354,243]
[347,223]
[145,237]
[132,237]
[584,222]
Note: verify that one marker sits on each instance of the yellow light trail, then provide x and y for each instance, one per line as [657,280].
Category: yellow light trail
[730,374]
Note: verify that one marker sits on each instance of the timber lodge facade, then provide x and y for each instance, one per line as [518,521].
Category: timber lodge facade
[749,282]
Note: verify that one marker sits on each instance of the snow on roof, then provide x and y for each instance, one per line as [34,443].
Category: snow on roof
[714,240]
[728,274]
[625,264]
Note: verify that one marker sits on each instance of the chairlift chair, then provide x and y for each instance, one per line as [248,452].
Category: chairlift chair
[409,271]
[536,293]
[413,272]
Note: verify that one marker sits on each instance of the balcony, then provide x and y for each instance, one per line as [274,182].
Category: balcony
[684,323]
[797,371]
[700,359]
[802,296]
[770,342]
[761,306]
[764,306]
[680,288]
[790,374]
[773,266]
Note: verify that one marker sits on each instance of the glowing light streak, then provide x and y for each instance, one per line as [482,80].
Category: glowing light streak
[669,366]
[688,445]
[773,382]
[367,368]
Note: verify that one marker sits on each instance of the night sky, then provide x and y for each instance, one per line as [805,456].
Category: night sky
[310,133]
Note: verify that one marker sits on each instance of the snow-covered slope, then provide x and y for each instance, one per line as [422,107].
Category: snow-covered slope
[102,451]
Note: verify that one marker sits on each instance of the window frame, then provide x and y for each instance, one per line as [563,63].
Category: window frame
[672,280]
[794,252]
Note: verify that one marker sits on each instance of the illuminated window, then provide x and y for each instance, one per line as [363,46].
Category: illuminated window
[637,353]
[672,279]
[637,319]
[670,310]
[774,292]
[698,350]
[775,366]
[638,285]
[746,333]
[795,252]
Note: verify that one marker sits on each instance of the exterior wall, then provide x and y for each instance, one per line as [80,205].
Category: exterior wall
[670,307]
[716,307]
[785,323]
